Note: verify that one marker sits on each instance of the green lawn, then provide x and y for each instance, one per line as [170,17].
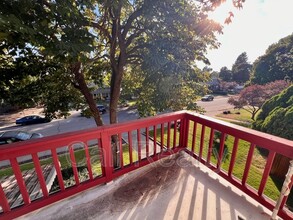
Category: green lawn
[239,115]
[254,177]
[80,161]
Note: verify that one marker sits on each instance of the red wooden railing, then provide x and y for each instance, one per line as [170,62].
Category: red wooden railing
[148,140]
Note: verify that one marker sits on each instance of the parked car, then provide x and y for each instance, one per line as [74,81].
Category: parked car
[86,112]
[8,137]
[102,109]
[207,98]
[32,119]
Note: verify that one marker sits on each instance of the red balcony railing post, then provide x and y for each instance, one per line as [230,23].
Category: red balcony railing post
[210,149]
[248,163]
[184,127]
[20,181]
[58,169]
[107,156]
[130,146]
[40,175]
[88,160]
[175,134]
[266,172]
[233,156]
[3,200]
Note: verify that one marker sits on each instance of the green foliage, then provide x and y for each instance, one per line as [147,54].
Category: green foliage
[253,97]
[39,42]
[31,80]
[55,27]
[275,64]
[241,69]
[276,116]
[162,38]
[172,35]
[225,74]
[170,93]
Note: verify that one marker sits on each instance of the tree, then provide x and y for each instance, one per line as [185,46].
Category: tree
[241,69]
[56,32]
[276,117]
[159,94]
[121,30]
[253,97]
[121,33]
[29,81]
[225,74]
[151,33]
[275,64]
[278,107]
[226,86]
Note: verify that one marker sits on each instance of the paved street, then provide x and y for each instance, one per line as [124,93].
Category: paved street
[217,106]
[76,122]
[73,123]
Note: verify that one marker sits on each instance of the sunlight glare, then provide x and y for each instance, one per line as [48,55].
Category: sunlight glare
[222,12]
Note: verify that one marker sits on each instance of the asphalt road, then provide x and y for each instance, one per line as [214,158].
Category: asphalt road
[217,106]
[75,122]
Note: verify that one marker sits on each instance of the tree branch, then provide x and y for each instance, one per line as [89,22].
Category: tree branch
[102,29]
[75,85]
[131,18]
[134,49]
[133,36]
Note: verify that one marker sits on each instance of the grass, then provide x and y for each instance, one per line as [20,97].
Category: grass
[131,103]
[241,123]
[238,115]
[80,158]
[272,189]
[273,185]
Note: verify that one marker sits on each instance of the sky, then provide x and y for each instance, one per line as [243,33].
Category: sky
[253,29]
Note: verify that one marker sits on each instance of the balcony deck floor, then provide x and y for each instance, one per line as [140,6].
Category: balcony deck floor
[173,188]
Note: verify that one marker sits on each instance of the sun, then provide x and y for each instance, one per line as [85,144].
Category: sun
[222,13]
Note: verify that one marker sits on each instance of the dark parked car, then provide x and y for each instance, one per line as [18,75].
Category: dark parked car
[8,137]
[207,98]
[31,119]
[101,108]
[87,112]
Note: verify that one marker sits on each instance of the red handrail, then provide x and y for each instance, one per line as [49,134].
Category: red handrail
[274,145]
[155,149]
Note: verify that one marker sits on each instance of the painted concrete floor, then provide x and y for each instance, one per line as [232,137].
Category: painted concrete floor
[173,188]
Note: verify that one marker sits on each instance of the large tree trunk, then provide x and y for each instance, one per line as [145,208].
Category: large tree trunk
[114,98]
[114,95]
[76,69]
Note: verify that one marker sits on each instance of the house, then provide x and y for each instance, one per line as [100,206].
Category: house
[214,84]
[102,93]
